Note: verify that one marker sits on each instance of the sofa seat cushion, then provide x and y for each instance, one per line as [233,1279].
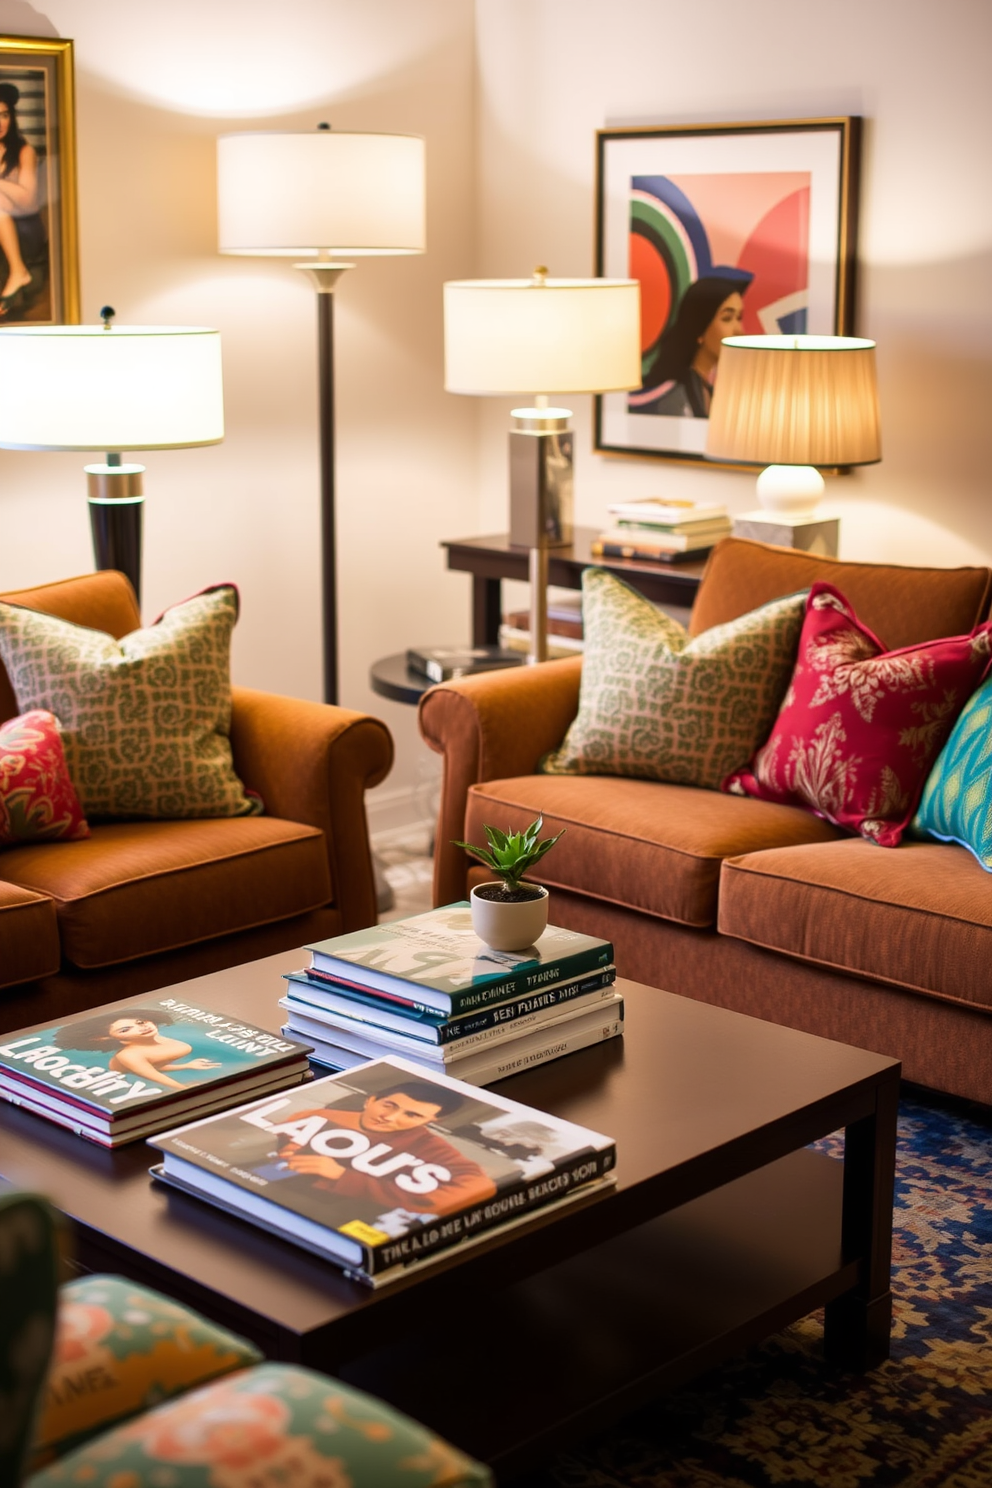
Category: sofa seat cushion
[138,888]
[919,917]
[29,935]
[653,847]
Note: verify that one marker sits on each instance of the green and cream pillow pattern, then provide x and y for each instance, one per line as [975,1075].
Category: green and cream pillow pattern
[658,705]
[145,720]
[956,805]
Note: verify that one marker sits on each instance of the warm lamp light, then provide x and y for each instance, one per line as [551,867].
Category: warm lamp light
[113,388]
[540,336]
[314,196]
[792,403]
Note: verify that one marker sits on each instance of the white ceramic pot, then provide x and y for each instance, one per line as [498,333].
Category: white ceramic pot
[508,927]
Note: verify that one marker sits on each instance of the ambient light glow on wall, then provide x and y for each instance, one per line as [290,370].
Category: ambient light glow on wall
[541,336]
[327,196]
[112,388]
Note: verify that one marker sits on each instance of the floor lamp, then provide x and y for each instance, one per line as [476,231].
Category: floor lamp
[322,197]
[111,388]
[541,335]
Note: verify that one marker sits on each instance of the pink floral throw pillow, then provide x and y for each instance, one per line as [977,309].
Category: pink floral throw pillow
[860,726]
[37,799]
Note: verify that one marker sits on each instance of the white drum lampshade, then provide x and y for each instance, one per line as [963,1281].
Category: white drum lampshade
[98,387]
[324,191]
[792,403]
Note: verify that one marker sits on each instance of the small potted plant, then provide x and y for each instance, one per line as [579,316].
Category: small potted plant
[509,915]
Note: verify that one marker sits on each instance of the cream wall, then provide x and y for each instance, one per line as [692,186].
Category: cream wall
[156,84]
[552,72]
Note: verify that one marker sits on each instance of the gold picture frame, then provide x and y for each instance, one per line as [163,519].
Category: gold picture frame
[38,223]
[742,206]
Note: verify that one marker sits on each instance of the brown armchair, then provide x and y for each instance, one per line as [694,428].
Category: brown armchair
[145,904]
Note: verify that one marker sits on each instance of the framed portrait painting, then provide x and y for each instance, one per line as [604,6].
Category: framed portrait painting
[731,229]
[39,261]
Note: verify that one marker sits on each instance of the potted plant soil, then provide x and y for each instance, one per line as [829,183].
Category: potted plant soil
[507,914]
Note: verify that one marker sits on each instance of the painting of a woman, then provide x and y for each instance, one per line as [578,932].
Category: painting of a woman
[22,233]
[139,1047]
[685,365]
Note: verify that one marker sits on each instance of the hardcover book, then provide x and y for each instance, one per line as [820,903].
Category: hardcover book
[117,1074]
[383,1165]
[438,960]
[442,663]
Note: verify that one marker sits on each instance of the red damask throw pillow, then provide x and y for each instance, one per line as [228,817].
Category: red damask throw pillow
[860,726]
[37,799]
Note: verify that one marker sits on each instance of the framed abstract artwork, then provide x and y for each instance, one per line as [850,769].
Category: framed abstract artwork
[39,256]
[731,229]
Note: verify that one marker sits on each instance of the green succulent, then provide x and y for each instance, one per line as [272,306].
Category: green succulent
[509,855]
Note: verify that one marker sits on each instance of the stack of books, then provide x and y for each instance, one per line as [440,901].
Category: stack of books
[427,988]
[383,1168]
[117,1074]
[564,628]
[446,663]
[662,531]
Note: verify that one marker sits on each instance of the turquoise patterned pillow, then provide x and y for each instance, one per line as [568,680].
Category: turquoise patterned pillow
[957,800]
[275,1426]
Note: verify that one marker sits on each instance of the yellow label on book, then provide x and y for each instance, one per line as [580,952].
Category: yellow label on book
[359,1230]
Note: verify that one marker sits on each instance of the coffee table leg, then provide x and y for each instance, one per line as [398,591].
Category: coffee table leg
[858,1324]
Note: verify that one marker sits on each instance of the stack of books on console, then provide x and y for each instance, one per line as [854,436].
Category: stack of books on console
[427,988]
[384,1166]
[662,531]
[565,636]
[116,1074]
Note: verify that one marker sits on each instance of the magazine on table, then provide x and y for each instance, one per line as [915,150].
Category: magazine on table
[118,1073]
[437,960]
[384,1165]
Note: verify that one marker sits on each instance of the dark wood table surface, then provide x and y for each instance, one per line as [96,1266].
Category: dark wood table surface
[491,559]
[723,1227]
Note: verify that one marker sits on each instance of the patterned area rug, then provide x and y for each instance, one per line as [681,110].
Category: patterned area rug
[782,1416]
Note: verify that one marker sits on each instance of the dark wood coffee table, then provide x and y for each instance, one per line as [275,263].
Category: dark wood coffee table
[723,1228]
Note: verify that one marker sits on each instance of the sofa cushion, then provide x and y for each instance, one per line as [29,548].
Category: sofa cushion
[29,935]
[919,918]
[137,888]
[120,1348]
[37,800]
[656,705]
[145,719]
[653,847]
[905,605]
[956,805]
[861,726]
[104,601]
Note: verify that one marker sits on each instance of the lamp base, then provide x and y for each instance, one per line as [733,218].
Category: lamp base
[540,487]
[116,503]
[809,534]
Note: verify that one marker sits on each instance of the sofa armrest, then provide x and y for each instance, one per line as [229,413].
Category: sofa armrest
[492,726]
[312,763]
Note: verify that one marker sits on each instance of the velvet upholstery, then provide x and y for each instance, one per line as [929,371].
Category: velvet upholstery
[918,917]
[629,843]
[304,874]
[29,935]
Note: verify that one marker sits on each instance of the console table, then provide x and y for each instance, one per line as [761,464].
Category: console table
[491,559]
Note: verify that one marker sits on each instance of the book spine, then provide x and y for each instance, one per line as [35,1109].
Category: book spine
[471,999]
[470,1027]
[527,1196]
[601,549]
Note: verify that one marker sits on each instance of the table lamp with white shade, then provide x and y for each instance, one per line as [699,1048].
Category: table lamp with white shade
[793,403]
[322,197]
[541,336]
[111,388]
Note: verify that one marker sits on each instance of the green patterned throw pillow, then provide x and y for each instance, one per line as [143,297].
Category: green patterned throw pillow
[658,705]
[956,805]
[145,720]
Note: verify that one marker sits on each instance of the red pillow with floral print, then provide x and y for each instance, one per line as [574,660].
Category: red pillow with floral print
[37,799]
[860,726]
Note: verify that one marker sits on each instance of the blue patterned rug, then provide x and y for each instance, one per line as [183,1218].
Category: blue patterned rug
[781,1418]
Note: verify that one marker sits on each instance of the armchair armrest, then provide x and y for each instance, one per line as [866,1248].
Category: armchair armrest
[492,726]
[312,763]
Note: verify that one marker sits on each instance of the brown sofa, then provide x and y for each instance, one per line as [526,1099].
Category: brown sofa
[754,906]
[144,904]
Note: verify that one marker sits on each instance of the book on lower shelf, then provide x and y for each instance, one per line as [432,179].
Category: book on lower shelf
[115,1075]
[384,1166]
[445,663]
